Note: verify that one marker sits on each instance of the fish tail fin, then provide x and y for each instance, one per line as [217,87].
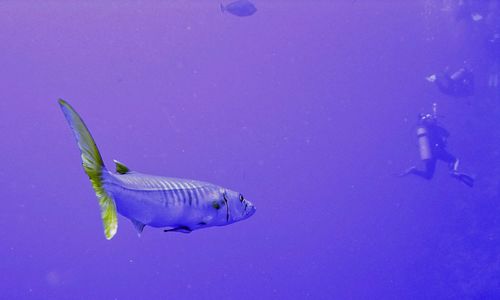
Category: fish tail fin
[93,166]
[222,8]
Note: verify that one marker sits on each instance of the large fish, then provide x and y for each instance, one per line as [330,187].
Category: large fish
[241,8]
[180,205]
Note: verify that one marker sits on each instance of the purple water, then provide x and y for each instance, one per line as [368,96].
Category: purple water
[306,107]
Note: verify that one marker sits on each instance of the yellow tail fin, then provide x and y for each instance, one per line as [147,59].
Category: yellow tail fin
[93,166]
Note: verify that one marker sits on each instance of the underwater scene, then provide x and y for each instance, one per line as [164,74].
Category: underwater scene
[250,149]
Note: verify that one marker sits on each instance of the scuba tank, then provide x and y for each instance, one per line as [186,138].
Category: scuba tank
[424,144]
[423,134]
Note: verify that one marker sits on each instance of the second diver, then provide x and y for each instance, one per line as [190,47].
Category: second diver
[459,84]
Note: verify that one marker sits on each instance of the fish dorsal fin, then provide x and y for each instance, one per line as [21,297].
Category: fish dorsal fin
[121,168]
[139,227]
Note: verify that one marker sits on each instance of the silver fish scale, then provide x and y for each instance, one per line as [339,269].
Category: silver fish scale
[137,181]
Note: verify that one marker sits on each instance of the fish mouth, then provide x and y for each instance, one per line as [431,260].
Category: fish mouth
[249,210]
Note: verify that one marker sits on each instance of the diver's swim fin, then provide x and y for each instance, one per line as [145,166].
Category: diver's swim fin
[93,166]
[468,180]
[406,172]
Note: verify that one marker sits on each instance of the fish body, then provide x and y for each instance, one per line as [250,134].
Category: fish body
[181,205]
[240,8]
[170,202]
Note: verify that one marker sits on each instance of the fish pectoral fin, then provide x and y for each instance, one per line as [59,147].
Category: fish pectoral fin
[139,227]
[183,229]
[121,168]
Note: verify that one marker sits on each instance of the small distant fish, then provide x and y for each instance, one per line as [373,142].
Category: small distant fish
[476,17]
[181,205]
[240,8]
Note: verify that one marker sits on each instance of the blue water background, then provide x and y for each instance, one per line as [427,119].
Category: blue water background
[307,108]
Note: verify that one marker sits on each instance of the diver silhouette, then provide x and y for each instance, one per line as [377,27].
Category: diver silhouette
[494,54]
[432,142]
[459,84]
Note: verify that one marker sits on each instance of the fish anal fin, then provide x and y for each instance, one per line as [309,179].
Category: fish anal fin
[121,168]
[183,229]
[139,227]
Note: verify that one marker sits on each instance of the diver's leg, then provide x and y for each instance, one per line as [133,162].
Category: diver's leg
[453,167]
[430,168]
[427,173]
[493,76]
[453,164]
[448,158]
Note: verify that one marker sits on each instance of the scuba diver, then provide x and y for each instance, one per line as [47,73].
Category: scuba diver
[463,10]
[493,47]
[468,10]
[432,140]
[459,84]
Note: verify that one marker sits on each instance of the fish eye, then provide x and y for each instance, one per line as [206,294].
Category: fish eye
[241,198]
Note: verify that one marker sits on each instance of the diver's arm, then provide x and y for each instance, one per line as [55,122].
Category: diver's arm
[442,132]
[444,84]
